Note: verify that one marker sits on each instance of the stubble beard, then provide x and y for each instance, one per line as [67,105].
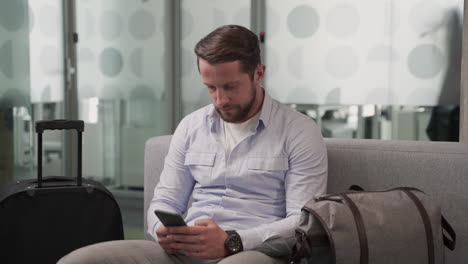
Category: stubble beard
[241,112]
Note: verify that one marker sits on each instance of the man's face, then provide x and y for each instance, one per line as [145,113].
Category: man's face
[233,92]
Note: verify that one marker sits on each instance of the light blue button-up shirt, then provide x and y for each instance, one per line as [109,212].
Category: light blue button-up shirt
[259,189]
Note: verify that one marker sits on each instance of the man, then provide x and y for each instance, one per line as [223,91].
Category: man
[249,162]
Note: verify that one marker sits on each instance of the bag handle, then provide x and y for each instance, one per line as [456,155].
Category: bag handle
[450,244]
[58,124]
[356,188]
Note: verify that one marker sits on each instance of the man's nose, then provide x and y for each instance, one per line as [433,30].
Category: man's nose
[221,98]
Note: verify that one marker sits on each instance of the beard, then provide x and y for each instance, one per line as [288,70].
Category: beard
[238,112]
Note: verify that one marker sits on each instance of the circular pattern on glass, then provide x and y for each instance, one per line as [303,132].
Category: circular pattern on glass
[142,25]
[110,25]
[342,62]
[12,14]
[49,20]
[425,61]
[303,21]
[111,62]
[343,20]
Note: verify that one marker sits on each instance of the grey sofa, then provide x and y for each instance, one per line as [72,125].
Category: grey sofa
[438,168]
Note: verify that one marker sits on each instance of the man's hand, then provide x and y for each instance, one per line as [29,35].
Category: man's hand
[162,234]
[204,240]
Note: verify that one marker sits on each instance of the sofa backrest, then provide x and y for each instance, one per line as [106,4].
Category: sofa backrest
[440,169]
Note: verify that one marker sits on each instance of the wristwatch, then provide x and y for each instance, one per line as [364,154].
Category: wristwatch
[233,243]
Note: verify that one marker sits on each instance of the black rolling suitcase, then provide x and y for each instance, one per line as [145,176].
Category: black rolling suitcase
[42,220]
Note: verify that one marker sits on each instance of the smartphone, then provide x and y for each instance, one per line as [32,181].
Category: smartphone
[169,218]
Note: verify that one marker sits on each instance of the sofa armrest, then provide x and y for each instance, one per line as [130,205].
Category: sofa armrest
[156,149]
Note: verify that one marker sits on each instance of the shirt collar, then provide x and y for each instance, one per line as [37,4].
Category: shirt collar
[266,109]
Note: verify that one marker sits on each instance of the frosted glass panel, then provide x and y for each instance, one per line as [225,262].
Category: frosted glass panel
[122,48]
[14,57]
[364,52]
[124,71]
[15,141]
[198,19]
[46,51]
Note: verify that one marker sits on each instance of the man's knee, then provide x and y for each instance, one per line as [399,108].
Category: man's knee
[116,252]
[252,257]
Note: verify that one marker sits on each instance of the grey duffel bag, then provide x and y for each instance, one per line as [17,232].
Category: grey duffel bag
[400,225]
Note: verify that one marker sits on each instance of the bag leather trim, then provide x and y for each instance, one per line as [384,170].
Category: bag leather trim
[427,226]
[450,244]
[364,247]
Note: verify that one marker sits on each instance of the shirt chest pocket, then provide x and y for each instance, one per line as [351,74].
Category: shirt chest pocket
[200,166]
[267,171]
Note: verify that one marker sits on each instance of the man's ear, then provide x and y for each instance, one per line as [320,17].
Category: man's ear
[259,73]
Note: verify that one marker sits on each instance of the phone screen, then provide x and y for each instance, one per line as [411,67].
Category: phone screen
[169,218]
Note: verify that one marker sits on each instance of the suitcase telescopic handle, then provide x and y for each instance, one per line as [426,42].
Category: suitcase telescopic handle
[59,124]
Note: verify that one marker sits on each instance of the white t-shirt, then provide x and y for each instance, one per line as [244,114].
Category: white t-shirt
[235,133]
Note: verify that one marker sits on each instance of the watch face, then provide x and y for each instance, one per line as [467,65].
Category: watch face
[233,243]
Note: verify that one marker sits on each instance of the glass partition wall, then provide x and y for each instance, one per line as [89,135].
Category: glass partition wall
[370,69]
[123,84]
[47,75]
[386,69]
[124,93]
[15,99]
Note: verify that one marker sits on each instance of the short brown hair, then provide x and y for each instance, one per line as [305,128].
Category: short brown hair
[230,43]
